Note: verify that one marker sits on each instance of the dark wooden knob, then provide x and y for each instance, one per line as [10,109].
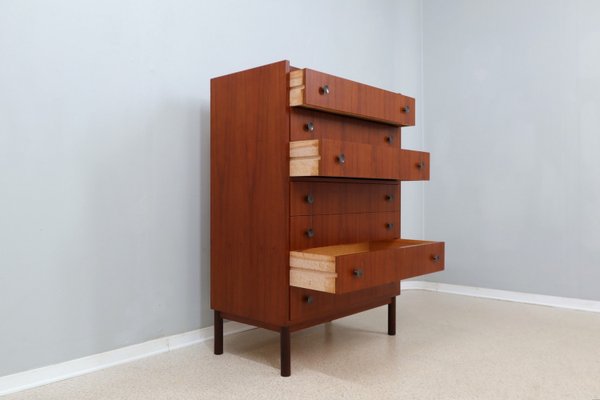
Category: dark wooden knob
[358,272]
[310,199]
[309,299]
[435,258]
[309,126]
[341,158]
[406,109]
[389,139]
[389,226]
[421,164]
[310,233]
[389,197]
[324,89]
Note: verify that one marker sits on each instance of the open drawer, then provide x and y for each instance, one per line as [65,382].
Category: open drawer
[316,90]
[350,267]
[325,157]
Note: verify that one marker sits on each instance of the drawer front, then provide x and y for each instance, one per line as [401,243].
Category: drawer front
[316,198]
[334,158]
[422,260]
[359,271]
[316,90]
[309,124]
[325,230]
[309,304]
[352,267]
[414,165]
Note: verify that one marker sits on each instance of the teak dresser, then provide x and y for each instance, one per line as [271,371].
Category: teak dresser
[305,200]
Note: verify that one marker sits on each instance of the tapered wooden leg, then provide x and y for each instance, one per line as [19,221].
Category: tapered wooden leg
[286,367]
[218,333]
[392,317]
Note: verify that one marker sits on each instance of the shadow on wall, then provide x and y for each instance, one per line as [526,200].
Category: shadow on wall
[205,311]
[153,187]
[112,245]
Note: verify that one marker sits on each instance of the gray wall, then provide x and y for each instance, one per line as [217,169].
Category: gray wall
[512,101]
[104,152]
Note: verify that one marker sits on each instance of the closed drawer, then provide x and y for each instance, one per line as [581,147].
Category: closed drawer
[325,230]
[356,160]
[316,198]
[316,90]
[357,266]
[308,304]
[309,124]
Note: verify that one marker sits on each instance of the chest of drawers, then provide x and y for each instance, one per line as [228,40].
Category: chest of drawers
[305,200]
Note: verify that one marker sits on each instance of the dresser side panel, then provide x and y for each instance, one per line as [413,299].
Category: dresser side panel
[250,194]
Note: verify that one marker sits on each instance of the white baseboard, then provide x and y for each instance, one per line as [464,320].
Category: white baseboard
[57,372]
[519,297]
[68,369]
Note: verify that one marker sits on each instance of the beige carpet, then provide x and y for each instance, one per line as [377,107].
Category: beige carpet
[446,347]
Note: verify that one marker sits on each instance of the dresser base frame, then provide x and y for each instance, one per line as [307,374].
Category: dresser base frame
[285,331]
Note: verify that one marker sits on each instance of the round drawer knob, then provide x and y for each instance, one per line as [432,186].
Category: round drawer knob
[309,299]
[406,109]
[421,164]
[389,139]
[435,258]
[389,197]
[310,233]
[358,272]
[324,89]
[310,199]
[341,158]
[389,226]
[309,127]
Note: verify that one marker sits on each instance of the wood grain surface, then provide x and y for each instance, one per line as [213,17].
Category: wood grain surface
[250,194]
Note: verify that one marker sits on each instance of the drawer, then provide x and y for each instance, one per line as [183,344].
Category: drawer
[326,157]
[316,198]
[309,124]
[310,304]
[316,90]
[325,230]
[351,267]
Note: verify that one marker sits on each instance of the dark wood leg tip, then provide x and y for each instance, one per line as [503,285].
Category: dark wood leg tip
[286,362]
[218,333]
[392,317]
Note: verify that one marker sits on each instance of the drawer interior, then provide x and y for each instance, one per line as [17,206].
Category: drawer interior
[324,258]
[350,267]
